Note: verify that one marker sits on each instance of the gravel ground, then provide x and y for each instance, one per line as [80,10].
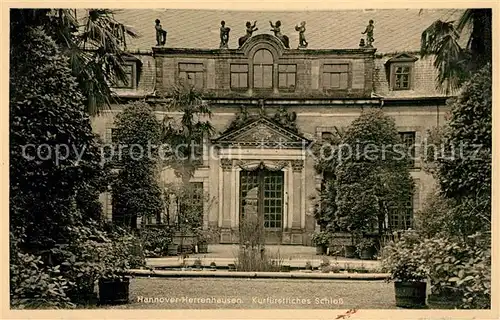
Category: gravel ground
[174,293]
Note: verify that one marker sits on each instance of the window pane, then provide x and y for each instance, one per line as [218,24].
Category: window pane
[268,77]
[406,69]
[263,56]
[335,80]
[282,80]
[344,79]
[335,68]
[291,80]
[235,80]
[198,67]
[199,79]
[287,68]
[326,80]
[243,80]
[257,76]
[239,68]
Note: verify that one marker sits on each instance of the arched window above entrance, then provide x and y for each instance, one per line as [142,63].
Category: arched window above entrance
[263,69]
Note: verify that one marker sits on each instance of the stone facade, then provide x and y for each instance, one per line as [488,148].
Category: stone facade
[325,88]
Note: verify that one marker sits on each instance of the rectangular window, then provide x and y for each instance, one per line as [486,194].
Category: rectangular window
[190,204]
[193,73]
[286,76]
[408,139]
[129,76]
[263,76]
[401,77]
[402,220]
[239,75]
[336,76]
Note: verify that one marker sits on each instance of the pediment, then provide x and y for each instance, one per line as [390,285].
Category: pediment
[262,133]
[402,57]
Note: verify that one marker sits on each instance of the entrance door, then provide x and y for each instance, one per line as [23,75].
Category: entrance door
[261,194]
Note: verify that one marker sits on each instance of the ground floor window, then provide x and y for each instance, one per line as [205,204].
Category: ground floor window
[402,220]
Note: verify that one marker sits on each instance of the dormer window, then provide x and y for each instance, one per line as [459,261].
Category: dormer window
[129,67]
[401,71]
[402,76]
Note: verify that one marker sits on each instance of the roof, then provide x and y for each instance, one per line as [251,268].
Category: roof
[396,30]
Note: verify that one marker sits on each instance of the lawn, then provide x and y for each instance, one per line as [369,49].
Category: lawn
[217,293]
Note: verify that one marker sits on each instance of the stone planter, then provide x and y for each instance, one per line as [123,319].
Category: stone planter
[367,253]
[447,299]
[172,249]
[320,250]
[186,248]
[336,250]
[202,247]
[285,268]
[350,251]
[114,291]
[410,294]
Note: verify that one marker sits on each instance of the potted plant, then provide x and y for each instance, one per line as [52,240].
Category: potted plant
[205,236]
[320,240]
[172,248]
[365,248]
[120,254]
[403,260]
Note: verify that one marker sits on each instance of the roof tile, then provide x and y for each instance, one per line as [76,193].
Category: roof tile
[396,30]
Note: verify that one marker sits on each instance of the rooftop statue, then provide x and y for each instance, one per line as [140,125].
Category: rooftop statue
[277,32]
[224,35]
[369,34]
[250,29]
[302,37]
[161,35]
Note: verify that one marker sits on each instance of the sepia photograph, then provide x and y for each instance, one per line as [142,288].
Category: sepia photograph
[220,159]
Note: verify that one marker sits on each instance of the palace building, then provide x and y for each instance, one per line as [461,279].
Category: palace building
[322,81]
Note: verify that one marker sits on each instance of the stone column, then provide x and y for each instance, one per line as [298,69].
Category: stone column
[298,191]
[291,196]
[285,197]
[235,187]
[227,191]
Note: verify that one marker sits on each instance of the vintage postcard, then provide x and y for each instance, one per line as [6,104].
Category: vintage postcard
[250,160]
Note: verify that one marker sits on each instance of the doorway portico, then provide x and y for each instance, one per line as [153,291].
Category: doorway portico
[262,172]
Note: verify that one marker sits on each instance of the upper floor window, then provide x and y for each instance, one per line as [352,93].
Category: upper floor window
[401,68]
[193,73]
[336,76]
[401,77]
[287,76]
[408,139]
[129,69]
[263,69]
[239,75]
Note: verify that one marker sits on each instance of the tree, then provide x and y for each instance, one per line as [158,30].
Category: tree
[95,49]
[455,63]
[372,174]
[136,191]
[464,170]
[53,152]
[326,163]
[185,137]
